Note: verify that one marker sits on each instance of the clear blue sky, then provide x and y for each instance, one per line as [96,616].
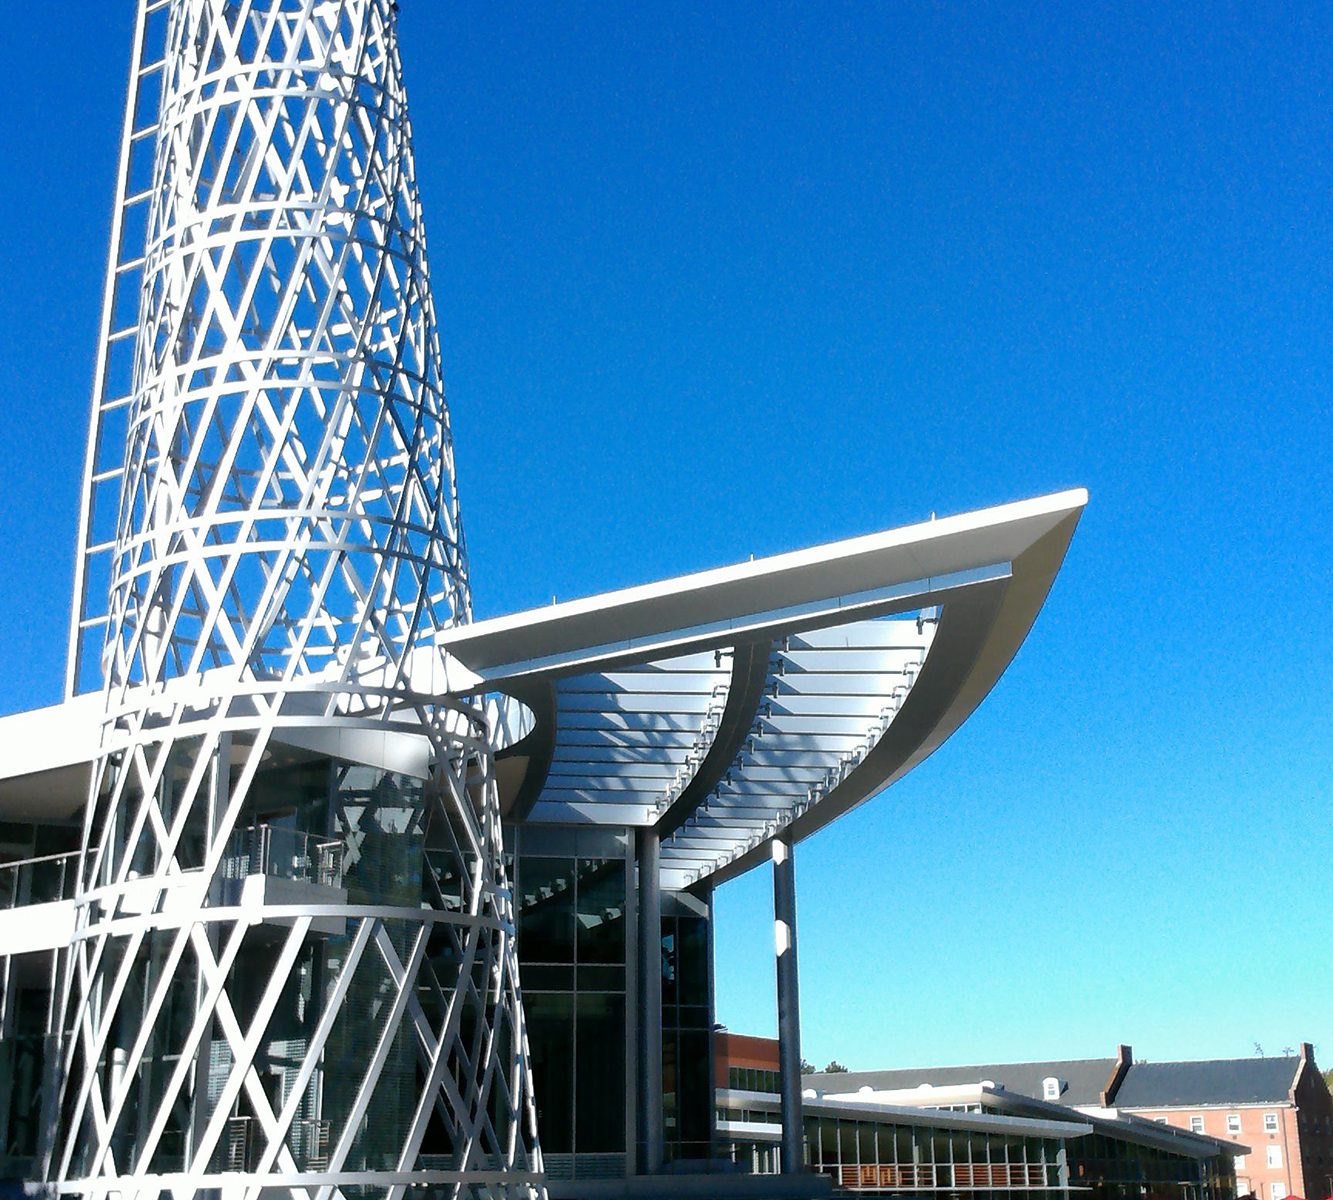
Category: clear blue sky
[729,279]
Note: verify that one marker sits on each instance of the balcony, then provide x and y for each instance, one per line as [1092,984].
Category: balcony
[37,903]
[39,880]
[265,865]
[269,865]
[280,853]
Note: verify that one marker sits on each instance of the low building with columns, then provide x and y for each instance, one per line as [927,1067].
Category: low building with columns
[891,1132]
[1276,1109]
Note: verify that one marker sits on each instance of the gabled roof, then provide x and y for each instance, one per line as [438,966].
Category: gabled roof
[1082,1079]
[1214,1081]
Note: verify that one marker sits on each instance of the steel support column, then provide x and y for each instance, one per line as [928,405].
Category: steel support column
[789,1005]
[705,892]
[652,1122]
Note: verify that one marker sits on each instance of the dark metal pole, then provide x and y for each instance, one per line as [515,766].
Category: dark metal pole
[789,1005]
[705,892]
[651,1117]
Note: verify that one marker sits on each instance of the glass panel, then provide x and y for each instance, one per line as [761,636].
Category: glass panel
[545,978]
[670,1054]
[692,960]
[695,1016]
[694,1095]
[600,1078]
[601,911]
[602,979]
[546,910]
[605,842]
[551,1041]
[670,972]
[380,819]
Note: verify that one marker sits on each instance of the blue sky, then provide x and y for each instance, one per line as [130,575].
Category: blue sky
[736,278]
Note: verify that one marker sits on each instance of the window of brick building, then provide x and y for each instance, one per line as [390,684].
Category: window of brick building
[1196,1124]
[1275,1156]
[1233,1122]
[1270,1122]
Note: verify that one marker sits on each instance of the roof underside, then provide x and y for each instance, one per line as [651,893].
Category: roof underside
[750,737]
[725,708]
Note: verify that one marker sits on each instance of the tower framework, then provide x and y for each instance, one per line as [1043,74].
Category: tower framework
[294,963]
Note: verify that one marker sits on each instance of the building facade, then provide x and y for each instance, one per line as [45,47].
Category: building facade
[1279,1107]
[272,871]
[1276,1110]
[962,1139]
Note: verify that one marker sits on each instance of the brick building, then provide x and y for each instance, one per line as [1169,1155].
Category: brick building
[1279,1107]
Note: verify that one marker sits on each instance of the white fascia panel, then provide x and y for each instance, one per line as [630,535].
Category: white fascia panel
[838,581]
[46,739]
[36,927]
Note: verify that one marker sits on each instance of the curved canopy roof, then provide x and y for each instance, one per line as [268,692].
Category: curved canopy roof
[729,706]
[720,708]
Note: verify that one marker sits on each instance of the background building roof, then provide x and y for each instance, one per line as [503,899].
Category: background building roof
[1215,1081]
[1082,1079]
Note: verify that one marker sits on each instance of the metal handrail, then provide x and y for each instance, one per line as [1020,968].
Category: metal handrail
[23,862]
[28,871]
[266,849]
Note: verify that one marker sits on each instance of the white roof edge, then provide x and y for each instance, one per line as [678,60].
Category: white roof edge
[45,739]
[981,629]
[1056,504]
[916,552]
[938,1118]
[1172,1135]
[68,733]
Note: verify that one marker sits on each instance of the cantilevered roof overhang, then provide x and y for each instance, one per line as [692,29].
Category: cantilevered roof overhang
[728,706]
[720,708]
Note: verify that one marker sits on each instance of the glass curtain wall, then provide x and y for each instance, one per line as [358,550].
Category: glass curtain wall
[687,1023]
[575,905]
[572,890]
[864,1156]
[868,1156]
[359,830]
[1115,1169]
[872,1157]
[38,865]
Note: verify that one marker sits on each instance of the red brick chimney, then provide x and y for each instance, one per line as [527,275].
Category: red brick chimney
[1124,1058]
[1306,1059]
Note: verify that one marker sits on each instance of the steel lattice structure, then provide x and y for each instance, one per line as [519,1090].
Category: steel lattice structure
[294,966]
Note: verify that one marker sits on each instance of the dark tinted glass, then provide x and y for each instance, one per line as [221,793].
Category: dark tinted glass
[691,960]
[551,1041]
[601,911]
[600,1085]
[546,910]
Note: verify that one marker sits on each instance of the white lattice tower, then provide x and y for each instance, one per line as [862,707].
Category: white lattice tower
[255,1004]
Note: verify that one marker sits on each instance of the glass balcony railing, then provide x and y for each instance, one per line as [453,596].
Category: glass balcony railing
[258,850]
[39,880]
[284,854]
